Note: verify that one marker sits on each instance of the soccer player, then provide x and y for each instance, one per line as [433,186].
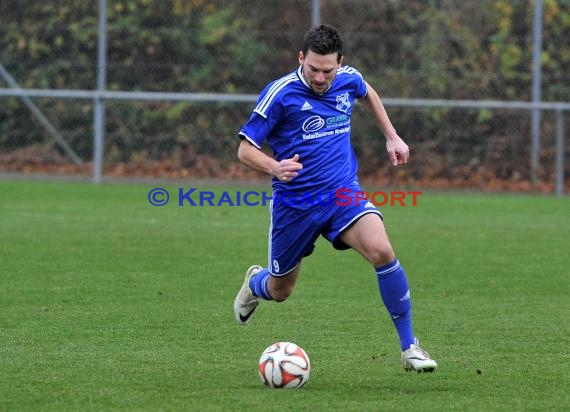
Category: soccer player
[305,118]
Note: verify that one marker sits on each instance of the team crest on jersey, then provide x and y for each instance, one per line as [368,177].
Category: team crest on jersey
[342,102]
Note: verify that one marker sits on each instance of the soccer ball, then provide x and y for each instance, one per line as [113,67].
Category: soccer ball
[284,365]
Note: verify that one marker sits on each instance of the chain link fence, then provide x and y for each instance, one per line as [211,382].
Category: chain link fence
[193,69]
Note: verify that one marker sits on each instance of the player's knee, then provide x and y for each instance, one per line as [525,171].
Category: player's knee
[281,287]
[280,294]
[380,255]
[280,291]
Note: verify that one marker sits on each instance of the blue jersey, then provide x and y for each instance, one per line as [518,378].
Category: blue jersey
[295,120]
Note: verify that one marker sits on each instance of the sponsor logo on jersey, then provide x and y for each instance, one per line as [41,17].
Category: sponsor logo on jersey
[313,123]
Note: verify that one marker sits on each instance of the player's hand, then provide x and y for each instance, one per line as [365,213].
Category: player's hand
[398,151]
[287,169]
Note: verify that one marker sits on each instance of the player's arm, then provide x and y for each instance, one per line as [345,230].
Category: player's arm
[251,156]
[397,149]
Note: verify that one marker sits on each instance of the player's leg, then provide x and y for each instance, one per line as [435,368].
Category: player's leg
[281,287]
[292,237]
[266,286]
[260,284]
[368,236]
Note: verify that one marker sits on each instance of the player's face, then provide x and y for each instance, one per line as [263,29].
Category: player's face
[319,70]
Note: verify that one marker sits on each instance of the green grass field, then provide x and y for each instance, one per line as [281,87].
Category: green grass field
[108,303]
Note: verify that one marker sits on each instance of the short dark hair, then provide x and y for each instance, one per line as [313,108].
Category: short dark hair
[323,39]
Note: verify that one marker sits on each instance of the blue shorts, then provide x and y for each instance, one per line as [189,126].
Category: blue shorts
[295,229]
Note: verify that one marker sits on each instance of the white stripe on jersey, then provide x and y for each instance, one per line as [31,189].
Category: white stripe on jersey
[349,70]
[279,84]
[249,139]
[269,262]
[272,92]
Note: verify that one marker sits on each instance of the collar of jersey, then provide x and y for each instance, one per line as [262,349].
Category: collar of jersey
[300,74]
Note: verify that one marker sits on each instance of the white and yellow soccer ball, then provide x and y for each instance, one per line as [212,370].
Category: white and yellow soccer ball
[284,365]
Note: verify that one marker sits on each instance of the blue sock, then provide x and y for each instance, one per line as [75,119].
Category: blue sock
[396,297]
[259,284]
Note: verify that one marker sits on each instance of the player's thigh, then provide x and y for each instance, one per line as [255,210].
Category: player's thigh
[368,236]
[292,237]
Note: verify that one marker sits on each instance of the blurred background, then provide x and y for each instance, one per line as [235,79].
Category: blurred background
[113,89]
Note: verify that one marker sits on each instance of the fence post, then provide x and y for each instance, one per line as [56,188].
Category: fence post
[316,13]
[99,101]
[536,94]
[559,174]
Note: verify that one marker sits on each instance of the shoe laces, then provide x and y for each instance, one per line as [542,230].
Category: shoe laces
[420,350]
